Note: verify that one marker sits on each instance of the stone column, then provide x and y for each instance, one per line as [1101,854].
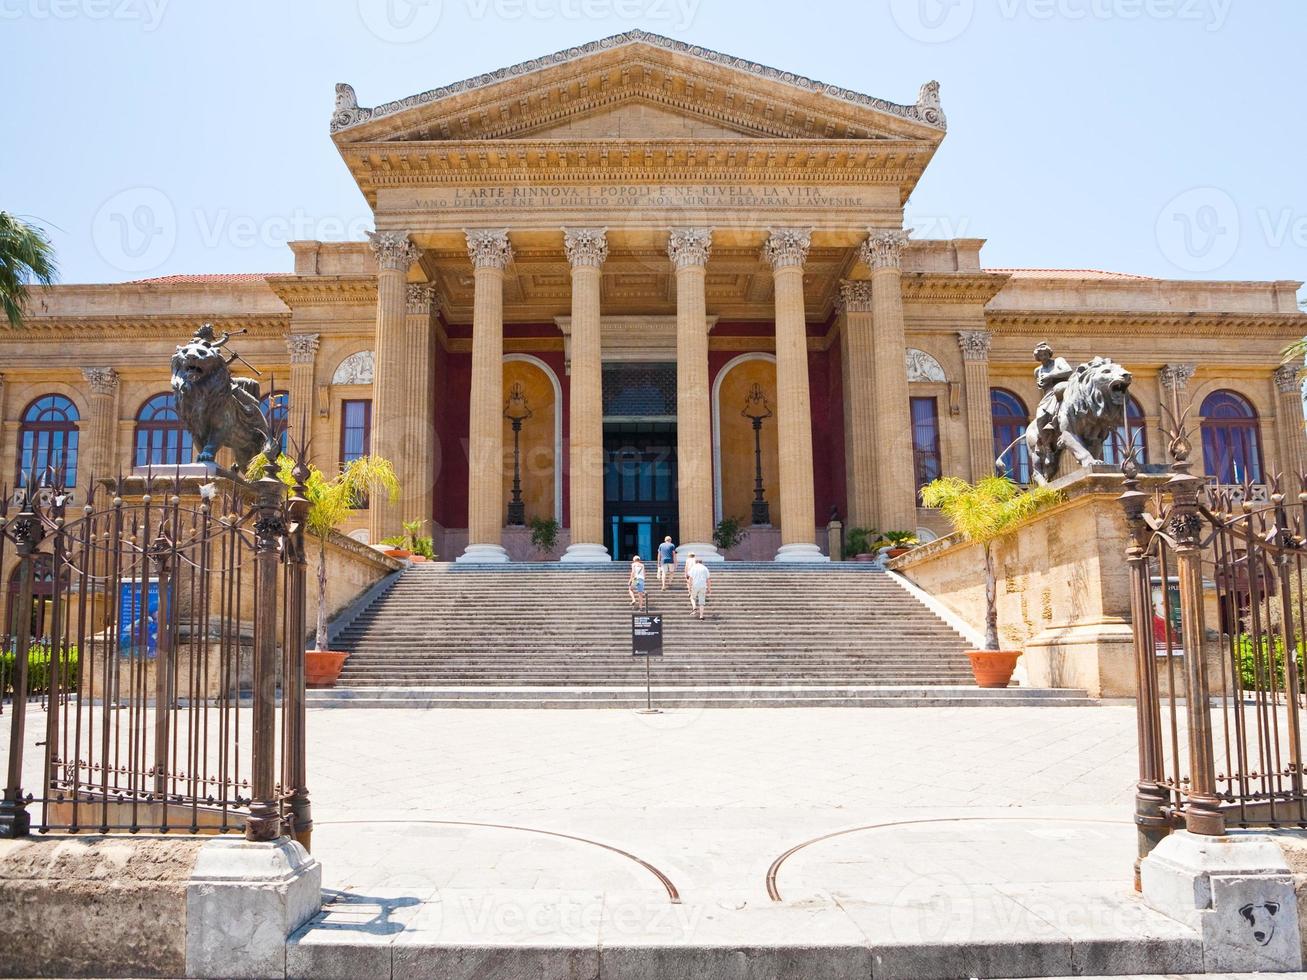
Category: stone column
[786,250]
[416,500]
[490,252]
[1291,425]
[689,248]
[97,439]
[1173,387]
[896,493]
[975,385]
[394,253]
[303,349]
[586,249]
[860,438]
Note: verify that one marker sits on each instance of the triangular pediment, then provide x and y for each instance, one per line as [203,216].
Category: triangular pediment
[635,119]
[637,86]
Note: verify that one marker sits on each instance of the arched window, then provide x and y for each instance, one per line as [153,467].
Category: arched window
[1114,450]
[276,409]
[48,441]
[1232,446]
[1010,419]
[161,439]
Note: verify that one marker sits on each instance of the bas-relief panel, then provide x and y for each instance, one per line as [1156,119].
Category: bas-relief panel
[357,369]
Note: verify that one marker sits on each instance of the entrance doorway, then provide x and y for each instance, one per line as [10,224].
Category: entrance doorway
[639,486]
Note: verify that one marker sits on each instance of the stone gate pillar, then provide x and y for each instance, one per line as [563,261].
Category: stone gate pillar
[390,397]
[785,251]
[490,253]
[586,249]
[689,248]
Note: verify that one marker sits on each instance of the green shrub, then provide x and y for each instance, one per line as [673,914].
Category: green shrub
[544,534]
[858,541]
[38,670]
[729,532]
[1256,671]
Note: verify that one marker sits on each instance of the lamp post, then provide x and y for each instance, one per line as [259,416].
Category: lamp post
[517,411]
[757,409]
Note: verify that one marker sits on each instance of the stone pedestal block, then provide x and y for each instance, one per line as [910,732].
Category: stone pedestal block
[1236,890]
[243,901]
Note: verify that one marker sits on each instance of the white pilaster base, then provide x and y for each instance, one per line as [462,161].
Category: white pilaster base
[482,554]
[586,554]
[701,551]
[1237,891]
[800,552]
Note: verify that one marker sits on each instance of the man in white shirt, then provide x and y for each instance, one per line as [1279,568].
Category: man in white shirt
[700,583]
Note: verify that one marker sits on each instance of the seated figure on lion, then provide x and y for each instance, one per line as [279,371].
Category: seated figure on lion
[218,409]
[1079,410]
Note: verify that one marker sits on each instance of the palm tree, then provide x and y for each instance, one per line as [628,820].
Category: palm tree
[331,501]
[983,512]
[26,257]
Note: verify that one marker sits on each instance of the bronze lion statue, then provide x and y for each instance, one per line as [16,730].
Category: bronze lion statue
[1079,415]
[216,408]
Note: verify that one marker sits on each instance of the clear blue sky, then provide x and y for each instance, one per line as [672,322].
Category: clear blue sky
[1163,137]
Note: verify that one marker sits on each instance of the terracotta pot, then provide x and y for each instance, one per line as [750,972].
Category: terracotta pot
[322,667]
[864,557]
[418,558]
[397,553]
[895,552]
[993,668]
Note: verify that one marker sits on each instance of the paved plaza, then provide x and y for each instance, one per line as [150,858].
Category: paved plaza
[771,842]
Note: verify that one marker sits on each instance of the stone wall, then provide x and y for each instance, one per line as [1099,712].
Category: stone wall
[1063,594]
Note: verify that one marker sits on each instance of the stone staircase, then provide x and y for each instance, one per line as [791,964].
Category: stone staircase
[549,635]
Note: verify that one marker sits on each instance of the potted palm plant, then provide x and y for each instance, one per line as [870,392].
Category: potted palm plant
[331,502]
[857,543]
[899,542]
[984,512]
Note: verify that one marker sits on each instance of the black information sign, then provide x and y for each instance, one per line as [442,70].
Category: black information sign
[646,635]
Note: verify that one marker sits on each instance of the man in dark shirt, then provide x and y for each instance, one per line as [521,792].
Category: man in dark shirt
[666,562]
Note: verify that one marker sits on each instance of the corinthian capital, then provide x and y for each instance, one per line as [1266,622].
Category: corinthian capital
[302,347]
[103,380]
[689,246]
[786,247]
[585,247]
[1175,377]
[1286,377]
[489,249]
[855,296]
[393,250]
[974,344]
[884,249]
[420,298]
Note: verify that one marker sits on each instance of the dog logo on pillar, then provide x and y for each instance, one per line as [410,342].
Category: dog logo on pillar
[1260,917]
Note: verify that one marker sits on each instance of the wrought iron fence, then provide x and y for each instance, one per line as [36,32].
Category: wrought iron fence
[1219,610]
[166,668]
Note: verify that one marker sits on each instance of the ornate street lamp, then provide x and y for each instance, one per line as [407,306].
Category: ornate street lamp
[757,409]
[517,411]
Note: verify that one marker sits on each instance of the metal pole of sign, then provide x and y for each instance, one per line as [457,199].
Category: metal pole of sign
[645,651]
[648,708]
